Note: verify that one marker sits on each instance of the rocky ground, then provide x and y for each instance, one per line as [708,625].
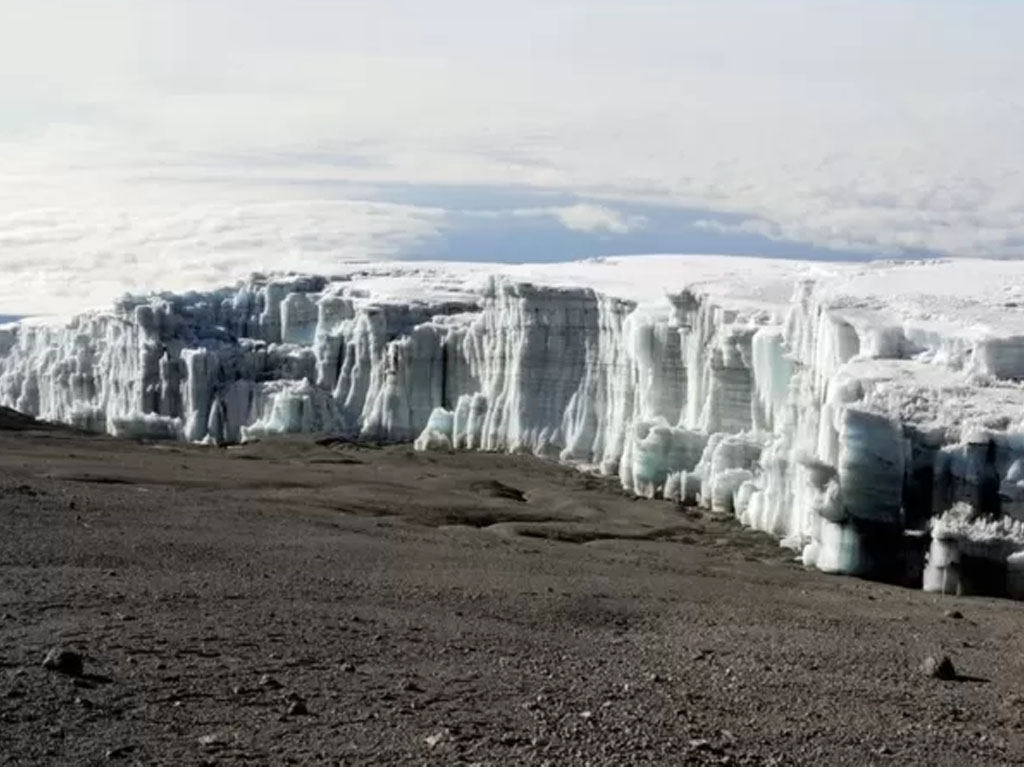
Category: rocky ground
[296,602]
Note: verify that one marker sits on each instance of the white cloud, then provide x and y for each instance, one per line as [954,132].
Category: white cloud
[586,217]
[582,217]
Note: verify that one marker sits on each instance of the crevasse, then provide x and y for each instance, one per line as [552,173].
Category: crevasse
[808,404]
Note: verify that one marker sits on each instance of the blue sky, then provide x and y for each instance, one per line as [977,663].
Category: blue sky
[176,143]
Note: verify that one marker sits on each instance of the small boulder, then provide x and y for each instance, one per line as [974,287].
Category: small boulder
[64,661]
[434,739]
[213,740]
[953,614]
[941,668]
[267,681]
[298,708]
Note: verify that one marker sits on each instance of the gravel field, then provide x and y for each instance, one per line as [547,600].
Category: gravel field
[296,601]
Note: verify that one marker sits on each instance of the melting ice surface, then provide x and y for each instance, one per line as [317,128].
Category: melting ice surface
[870,416]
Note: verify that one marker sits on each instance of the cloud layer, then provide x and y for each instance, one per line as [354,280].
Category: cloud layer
[62,259]
[169,140]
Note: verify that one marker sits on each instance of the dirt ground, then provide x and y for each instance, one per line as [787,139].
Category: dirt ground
[436,608]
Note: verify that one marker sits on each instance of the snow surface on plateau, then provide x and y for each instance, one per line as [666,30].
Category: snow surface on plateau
[840,407]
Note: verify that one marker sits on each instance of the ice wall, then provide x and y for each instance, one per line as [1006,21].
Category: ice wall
[816,415]
[278,355]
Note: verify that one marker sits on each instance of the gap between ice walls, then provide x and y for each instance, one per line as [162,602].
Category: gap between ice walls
[877,450]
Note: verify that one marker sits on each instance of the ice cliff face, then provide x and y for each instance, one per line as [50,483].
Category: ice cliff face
[840,408]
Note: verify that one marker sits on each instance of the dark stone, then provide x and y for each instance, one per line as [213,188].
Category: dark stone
[213,740]
[266,681]
[63,661]
[118,752]
[298,708]
[940,669]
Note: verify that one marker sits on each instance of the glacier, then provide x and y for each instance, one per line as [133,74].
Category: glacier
[868,415]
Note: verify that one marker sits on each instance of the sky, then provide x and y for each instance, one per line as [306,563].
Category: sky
[175,144]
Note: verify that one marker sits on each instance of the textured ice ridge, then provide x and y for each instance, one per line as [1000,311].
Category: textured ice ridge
[839,408]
